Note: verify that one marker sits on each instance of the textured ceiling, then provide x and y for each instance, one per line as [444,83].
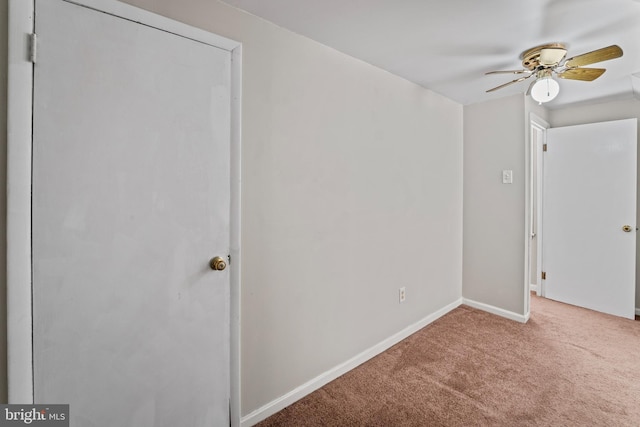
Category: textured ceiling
[448,45]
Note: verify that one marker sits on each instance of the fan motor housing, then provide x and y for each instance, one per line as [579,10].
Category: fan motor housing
[531,57]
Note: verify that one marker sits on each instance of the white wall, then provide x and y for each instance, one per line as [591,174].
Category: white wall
[494,213]
[603,112]
[352,187]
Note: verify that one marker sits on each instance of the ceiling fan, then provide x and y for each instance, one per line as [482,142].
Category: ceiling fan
[546,60]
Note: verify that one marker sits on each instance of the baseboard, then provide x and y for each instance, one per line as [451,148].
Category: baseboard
[330,375]
[496,310]
[533,288]
[637,311]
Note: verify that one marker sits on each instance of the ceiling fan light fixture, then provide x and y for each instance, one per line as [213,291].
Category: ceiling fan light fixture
[545,89]
[543,61]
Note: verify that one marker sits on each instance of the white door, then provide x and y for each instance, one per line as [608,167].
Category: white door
[589,196]
[130,202]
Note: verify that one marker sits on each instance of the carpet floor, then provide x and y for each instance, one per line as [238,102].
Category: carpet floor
[567,366]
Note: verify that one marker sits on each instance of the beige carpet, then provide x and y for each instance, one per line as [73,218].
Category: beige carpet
[566,367]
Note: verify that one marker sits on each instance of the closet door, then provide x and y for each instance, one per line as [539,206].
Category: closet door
[130,202]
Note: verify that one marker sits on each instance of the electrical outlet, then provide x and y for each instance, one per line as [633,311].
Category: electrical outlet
[402,294]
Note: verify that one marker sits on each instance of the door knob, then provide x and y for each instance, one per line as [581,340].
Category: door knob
[626,228]
[218,263]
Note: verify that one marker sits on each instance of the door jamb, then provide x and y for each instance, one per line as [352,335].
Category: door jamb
[19,169]
[538,123]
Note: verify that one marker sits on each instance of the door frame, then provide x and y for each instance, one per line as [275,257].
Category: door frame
[19,184]
[536,177]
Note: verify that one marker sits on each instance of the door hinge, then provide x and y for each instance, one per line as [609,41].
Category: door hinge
[544,275]
[33,47]
[544,147]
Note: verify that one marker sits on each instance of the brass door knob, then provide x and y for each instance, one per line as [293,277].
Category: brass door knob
[218,263]
[626,228]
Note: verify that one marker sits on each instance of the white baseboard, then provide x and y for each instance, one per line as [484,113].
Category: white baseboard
[495,310]
[637,311]
[533,288]
[330,375]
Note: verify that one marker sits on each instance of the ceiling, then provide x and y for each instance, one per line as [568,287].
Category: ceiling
[448,45]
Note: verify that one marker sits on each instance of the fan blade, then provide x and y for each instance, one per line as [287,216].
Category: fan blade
[584,74]
[510,83]
[508,72]
[604,54]
[551,56]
